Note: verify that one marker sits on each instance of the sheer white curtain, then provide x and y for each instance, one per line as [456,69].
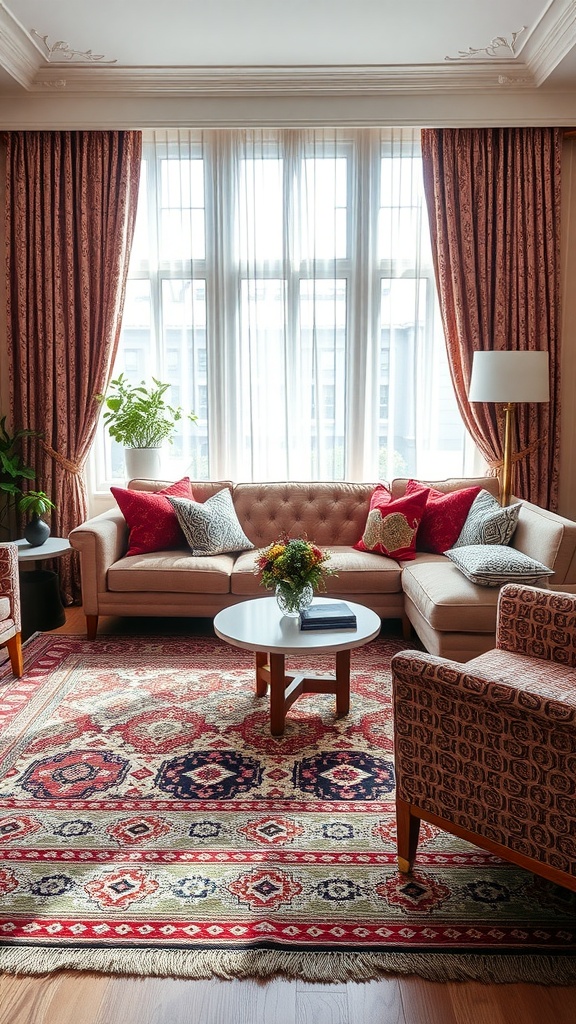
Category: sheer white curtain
[282,281]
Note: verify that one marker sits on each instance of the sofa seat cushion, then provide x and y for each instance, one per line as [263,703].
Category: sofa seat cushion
[446,599]
[359,572]
[171,572]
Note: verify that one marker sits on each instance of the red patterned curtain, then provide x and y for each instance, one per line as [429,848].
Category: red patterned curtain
[493,197]
[70,211]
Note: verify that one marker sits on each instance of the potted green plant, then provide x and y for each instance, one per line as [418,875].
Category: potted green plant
[141,419]
[35,504]
[13,470]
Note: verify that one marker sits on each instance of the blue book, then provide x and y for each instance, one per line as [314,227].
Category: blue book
[332,615]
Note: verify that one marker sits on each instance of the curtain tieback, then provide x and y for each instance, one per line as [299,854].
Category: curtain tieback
[518,456]
[67,464]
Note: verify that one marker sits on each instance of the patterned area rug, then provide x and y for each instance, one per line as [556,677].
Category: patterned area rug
[150,824]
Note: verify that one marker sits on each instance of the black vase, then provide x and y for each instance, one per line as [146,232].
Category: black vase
[36,532]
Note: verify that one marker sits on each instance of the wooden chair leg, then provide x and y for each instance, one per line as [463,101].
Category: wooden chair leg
[408,830]
[14,646]
[406,627]
[91,626]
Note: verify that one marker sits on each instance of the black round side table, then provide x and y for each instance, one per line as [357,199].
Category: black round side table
[41,604]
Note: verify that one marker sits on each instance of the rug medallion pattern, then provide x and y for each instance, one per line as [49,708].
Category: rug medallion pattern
[144,805]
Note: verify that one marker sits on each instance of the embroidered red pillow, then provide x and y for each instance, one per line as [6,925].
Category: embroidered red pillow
[392,523]
[151,520]
[444,516]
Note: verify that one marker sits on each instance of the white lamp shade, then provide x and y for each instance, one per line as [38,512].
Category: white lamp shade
[509,377]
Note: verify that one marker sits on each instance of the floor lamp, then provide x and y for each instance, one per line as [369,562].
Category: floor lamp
[509,378]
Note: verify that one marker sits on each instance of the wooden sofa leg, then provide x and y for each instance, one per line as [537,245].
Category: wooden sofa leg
[14,646]
[91,626]
[408,830]
[406,627]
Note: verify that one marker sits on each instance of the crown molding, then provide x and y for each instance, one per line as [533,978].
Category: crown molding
[366,80]
[546,46]
[551,40]
[18,54]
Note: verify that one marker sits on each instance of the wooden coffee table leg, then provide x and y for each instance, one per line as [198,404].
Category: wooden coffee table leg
[342,683]
[277,694]
[261,682]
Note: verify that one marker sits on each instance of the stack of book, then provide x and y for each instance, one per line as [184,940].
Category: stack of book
[329,615]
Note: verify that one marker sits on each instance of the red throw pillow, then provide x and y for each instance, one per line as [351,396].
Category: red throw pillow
[392,523]
[151,520]
[444,516]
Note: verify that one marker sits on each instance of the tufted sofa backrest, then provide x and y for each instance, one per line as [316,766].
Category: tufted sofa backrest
[201,489]
[332,512]
[488,483]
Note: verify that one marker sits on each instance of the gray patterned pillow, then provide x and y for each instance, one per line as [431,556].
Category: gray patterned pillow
[488,522]
[491,565]
[211,528]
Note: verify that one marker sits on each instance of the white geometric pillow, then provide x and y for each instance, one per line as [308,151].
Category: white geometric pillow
[488,522]
[491,565]
[211,527]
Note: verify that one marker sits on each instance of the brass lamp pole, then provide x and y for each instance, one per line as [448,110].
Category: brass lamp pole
[509,377]
[509,413]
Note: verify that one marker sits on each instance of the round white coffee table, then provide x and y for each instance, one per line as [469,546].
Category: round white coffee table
[260,626]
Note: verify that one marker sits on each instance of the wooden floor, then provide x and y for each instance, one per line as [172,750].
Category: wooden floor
[70,997]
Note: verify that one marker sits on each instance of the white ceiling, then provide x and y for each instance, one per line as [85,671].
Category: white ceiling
[134,45]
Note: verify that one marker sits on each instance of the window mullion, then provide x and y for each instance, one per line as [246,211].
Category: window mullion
[362,365]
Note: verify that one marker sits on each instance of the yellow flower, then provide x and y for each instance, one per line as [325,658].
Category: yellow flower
[275,552]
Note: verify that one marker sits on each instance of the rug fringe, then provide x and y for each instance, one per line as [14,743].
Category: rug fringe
[312,967]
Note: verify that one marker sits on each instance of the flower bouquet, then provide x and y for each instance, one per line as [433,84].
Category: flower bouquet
[294,568]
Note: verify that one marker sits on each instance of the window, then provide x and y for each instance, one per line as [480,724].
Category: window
[282,283]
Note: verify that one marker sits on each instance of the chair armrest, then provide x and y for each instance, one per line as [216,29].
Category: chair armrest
[427,688]
[537,623]
[10,580]
[426,670]
[101,541]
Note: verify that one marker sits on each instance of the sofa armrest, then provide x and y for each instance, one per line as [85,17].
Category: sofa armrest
[101,541]
[10,581]
[537,623]
[549,537]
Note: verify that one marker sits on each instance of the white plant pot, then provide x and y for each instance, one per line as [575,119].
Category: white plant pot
[143,463]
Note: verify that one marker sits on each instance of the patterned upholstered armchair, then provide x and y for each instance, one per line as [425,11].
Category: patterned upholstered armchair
[487,750]
[10,635]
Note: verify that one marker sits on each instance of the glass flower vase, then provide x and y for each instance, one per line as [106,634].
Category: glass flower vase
[292,599]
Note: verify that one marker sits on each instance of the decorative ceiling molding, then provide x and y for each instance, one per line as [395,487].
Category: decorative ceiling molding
[495,44]
[56,83]
[282,81]
[89,74]
[552,39]
[515,80]
[18,54]
[61,51]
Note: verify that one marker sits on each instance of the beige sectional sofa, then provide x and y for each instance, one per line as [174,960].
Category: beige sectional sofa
[452,616]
